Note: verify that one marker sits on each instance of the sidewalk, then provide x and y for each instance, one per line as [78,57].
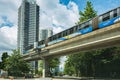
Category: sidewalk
[29,79]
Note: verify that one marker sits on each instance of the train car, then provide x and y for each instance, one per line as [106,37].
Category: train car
[109,18]
[82,28]
[41,44]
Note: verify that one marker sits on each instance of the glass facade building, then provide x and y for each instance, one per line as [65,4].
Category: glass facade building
[45,33]
[28,25]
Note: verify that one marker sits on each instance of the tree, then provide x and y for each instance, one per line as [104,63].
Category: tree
[88,13]
[40,67]
[1,65]
[53,65]
[107,62]
[15,65]
[4,57]
[69,69]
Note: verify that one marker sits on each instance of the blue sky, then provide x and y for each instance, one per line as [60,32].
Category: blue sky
[56,14]
[6,22]
[100,6]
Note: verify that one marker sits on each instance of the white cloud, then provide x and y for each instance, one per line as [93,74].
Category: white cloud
[9,8]
[57,29]
[54,13]
[8,37]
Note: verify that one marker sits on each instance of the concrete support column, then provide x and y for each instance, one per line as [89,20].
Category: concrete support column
[45,68]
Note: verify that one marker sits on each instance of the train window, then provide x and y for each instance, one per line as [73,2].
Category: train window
[76,28]
[82,26]
[86,26]
[71,30]
[106,16]
[50,38]
[118,11]
[59,35]
[115,13]
[79,26]
[65,33]
[68,32]
[54,37]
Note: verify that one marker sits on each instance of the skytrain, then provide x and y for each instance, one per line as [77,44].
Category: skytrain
[104,20]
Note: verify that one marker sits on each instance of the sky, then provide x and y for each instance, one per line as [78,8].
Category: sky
[56,14]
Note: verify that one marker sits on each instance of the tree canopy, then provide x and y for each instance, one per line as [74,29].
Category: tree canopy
[88,13]
[53,65]
[15,65]
[4,57]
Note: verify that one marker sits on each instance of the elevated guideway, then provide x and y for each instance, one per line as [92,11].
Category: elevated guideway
[100,38]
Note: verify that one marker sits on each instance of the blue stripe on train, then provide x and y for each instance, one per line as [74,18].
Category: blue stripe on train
[62,38]
[109,22]
[86,30]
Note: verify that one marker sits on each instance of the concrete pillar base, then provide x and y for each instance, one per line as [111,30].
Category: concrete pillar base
[45,68]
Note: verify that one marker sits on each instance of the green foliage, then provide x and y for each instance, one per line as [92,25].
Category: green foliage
[4,57]
[79,64]
[40,72]
[53,64]
[97,63]
[69,69]
[1,66]
[88,13]
[40,67]
[15,65]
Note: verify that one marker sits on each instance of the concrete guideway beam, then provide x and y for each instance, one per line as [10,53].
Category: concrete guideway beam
[105,37]
[100,38]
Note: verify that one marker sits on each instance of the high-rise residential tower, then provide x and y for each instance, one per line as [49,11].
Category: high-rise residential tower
[28,25]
